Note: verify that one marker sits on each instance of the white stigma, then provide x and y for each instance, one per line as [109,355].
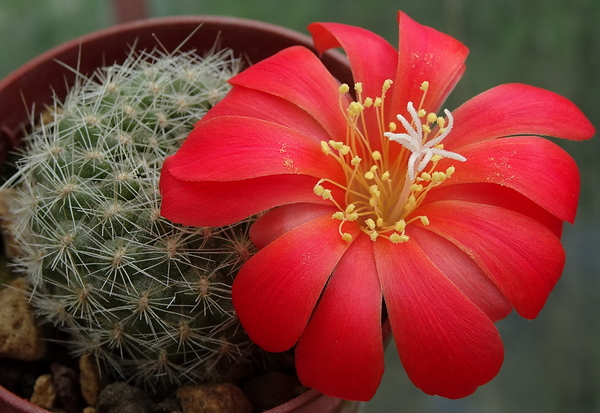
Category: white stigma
[415,141]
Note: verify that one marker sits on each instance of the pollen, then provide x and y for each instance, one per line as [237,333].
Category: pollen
[384,184]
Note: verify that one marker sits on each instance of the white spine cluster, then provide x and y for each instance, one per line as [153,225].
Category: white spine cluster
[150,299]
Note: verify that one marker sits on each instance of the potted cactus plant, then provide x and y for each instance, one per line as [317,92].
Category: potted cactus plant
[147,299]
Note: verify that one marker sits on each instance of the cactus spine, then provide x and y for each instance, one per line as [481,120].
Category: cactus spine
[150,299]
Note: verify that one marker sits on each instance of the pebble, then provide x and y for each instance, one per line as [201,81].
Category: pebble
[89,378]
[120,397]
[66,382]
[44,393]
[213,398]
[20,337]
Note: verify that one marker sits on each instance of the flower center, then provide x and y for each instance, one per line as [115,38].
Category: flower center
[384,186]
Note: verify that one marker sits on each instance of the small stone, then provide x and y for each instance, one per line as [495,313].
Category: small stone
[44,393]
[20,336]
[89,409]
[271,389]
[66,382]
[89,378]
[122,398]
[213,398]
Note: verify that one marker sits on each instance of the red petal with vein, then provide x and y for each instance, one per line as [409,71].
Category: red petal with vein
[280,220]
[447,345]
[521,256]
[223,203]
[497,195]
[463,272]
[372,59]
[252,148]
[285,74]
[425,54]
[532,166]
[340,352]
[517,109]
[241,101]
[276,290]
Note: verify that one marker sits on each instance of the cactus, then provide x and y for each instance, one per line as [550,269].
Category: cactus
[148,298]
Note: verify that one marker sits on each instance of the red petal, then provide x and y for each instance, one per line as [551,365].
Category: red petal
[464,273]
[275,292]
[231,148]
[340,352]
[521,256]
[425,54]
[532,166]
[297,75]
[241,101]
[497,195]
[282,219]
[447,345]
[372,59]
[516,109]
[223,203]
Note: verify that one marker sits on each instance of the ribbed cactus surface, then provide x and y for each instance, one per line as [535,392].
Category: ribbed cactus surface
[150,299]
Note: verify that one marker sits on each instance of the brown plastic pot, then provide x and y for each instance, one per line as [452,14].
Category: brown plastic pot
[27,90]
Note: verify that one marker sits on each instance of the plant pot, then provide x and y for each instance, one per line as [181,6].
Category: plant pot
[25,92]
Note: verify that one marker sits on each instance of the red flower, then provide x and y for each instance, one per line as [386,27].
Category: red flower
[452,221]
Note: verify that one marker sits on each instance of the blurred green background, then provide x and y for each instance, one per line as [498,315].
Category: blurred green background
[552,363]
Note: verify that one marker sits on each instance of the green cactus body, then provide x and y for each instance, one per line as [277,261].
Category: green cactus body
[150,299]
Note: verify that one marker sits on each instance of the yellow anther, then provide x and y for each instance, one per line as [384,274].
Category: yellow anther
[416,187]
[372,202]
[378,102]
[355,161]
[426,177]
[374,190]
[370,223]
[373,235]
[385,176]
[421,113]
[358,87]
[432,117]
[424,86]
[338,215]
[336,145]
[355,108]
[376,155]
[344,88]
[450,171]
[368,102]
[350,208]
[436,158]
[325,148]
[411,202]
[424,220]
[426,129]
[369,175]
[346,237]
[386,85]
[345,150]
[400,226]
[352,216]
[441,122]
[395,238]
[326,194]
[379,222]
[392,126]
[438,177]
[398,239]
[319,190]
